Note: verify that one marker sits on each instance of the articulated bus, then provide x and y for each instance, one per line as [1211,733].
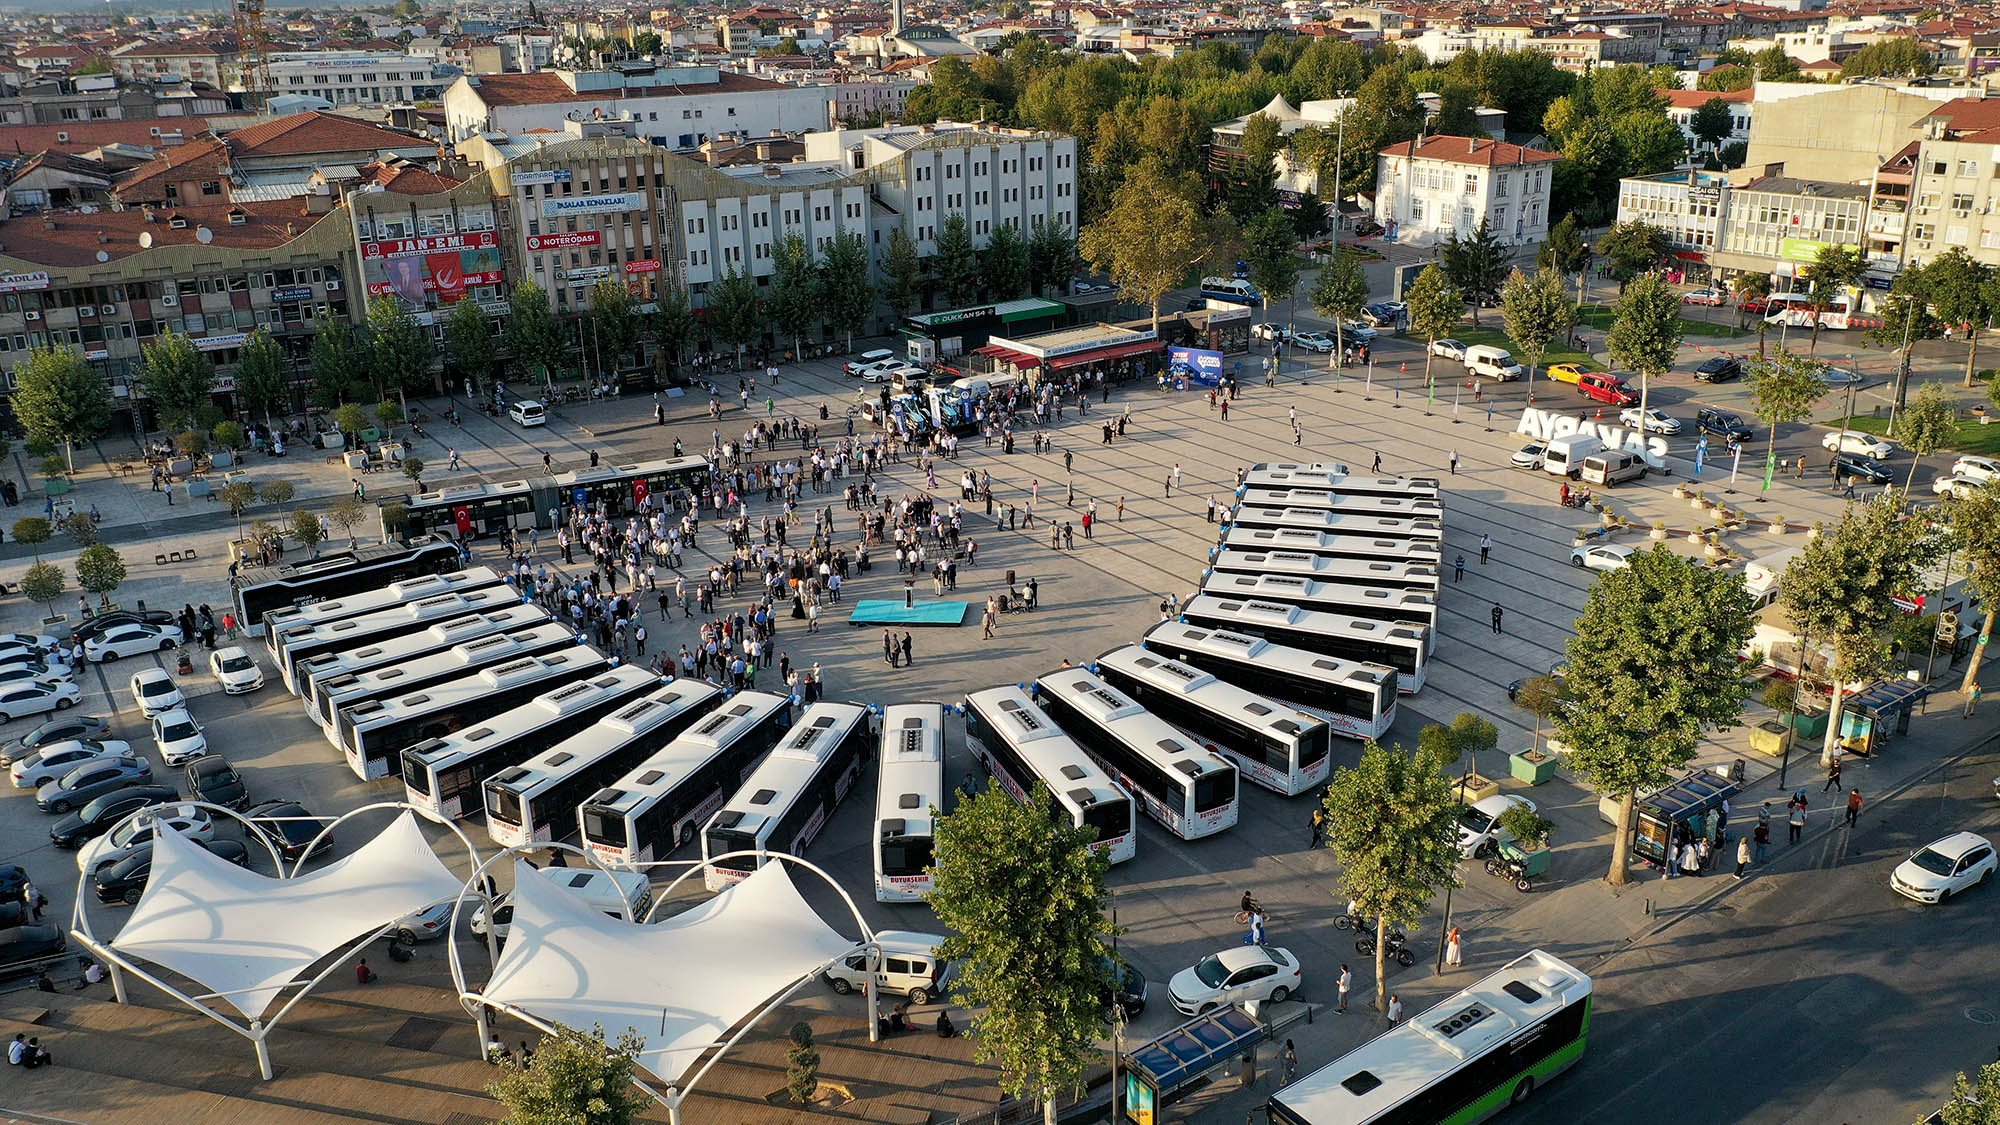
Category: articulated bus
[1340,483]
[349,633]
[1356,699]
[1402,507]
[1373,525]
[1400,607]
[1275,745]
[664,801]
[1461,1060]
[260,590]
[1329,467]
[441,777]
[909,787]
[490,507]
[1327,545]
[281,625]
[337,694]
[536,801]
[1176,779]
[1376,573]
[1402,647]
[317,672]
[375,732]
[783,805]
[1019,745]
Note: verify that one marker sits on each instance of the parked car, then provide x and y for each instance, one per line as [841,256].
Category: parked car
[1570,373]
[103,814]
[1853,441]
[1837,378]
[39,641]
[1981,469]
[59,759]
[1722,423]
[1367,228]
[87,782]
[155,692]
[1479,831]
[1854,465]
[188,820]
[102,623]
[1529,456]
[528,412]
[1355,332]
[1125,987]
[1959,488]
[867,359]
[125,880]
[179,737]
[1601,556]
[423,925]
[1384,314]
[36,672]
[211,778]
[1709,296]
[281,820]
[1314,342]
[873,370]
[1755,306]
[36,697]
[1607,388]
[121,641]
[235,669]
[25,949]
[1652,419]
[16,656]
[1943,868]
[1236,975]
[65,729]
[1448,349]
[1270,332]
[1720,369]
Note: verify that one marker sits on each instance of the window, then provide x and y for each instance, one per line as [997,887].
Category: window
[1416,210]
[1968,167]
[1472,183]
[211,187]
[1922,232]
[1500,187]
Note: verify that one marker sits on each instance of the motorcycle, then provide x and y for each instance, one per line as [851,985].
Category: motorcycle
[1399,948]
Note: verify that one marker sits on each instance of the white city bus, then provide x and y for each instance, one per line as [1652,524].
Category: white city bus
[785,802]
[391,681]
[1367,504]
[1373,525]
[441,777]
[1325,467]
[1020,745]
[1402,647]
[1356,698]
[664,801]
[375,732]
[536,801]
[1377,573]
[1178,781]
[1416,552]
[317,672]
[1273,744]
[299,645]
[1401,607]
[1461,1060]
[909,787]
[1340,483]
[279,622]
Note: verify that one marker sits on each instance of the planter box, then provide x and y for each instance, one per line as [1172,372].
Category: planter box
[180,467]
[200,488]
[1809,724]
[370,434]
[1532,772]
[221,459]
[394,451]
[1475,790]
[1770,738]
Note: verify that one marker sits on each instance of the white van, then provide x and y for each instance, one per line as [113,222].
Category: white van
[1613,467]
[1762,576]
[1489,362]
[1565,455]
[529,412]
[1234,288]
[608,893]
[910,967]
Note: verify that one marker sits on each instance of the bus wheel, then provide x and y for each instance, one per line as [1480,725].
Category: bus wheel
[687,834]
[1523,1091]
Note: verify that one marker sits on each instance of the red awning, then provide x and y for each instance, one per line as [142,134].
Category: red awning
[990,349]
[1010,356]
[1116,351]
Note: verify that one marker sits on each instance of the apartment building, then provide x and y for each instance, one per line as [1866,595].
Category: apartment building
[188,61]
[584,210]
[1953,192]
[1429,190]
[427,238]
[1682,104]
[1777,225]
[676,107]
[356,77]
[1688,206]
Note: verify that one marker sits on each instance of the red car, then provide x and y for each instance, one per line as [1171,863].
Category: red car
[1601,387]
[1755,306]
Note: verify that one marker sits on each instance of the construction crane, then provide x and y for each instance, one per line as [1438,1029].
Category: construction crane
[253,52]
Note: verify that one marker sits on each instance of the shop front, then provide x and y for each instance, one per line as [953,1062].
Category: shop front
[1086,356]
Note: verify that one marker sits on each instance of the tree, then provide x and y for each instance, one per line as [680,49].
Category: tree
[1772,64]
[43,582]
[905,271]
[957,261]
[1565,251]
[1974,1101]
[1900,57]
[1836,268]
[1649,141]
[672,325]
[802,1064]
[388,412]
[1023,895]
[1927,424]
[59,398]
[1392,823]
[1839,590]
[1727,79]
[468,341]
[1907,320]
[237,496]
[1963,292]
[1975,528]
[1252,190]
[305,530]
[1783,389]
[399,349]
[261,375]
[1538,313]
[177,377]
[846,290]
[1155,230]
[1476,265]
[1269,247]
[614,323]
[1646,330]
[1661,638]
[1435,308]
[794,301]
[1712,122]
[229,435]
[413,467]
[1339,294]
[352,418]
[277,493]
[81,529]
[1005,262]
[99,570]
[576,1079]
[1464,740]
[336,364]
[33,531]
[1051,257]
[532,333]
[1540,696]
[1310,222]
[1634,246]
[346,514]
[735,312]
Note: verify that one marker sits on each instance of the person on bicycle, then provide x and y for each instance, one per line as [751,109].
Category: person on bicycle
[1250,905]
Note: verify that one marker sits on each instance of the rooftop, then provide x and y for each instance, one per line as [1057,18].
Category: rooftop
[73,239]
[1789,185]
[317,131]
[1471,150]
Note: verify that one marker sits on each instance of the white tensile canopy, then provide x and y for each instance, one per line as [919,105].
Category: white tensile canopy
[245,936]
[680,984]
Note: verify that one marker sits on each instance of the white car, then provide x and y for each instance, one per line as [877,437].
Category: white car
[876,371]
[1960,488]
[1234,976]
[137,833]
[179,737]
[1314,342]
[155,692]
[1479,831]
[28,640]
[1270,332]
[52,763]
[1355,332]
[1448,349]
[36,697]
[235,669]
[1601,556]
[1653,420]
[1981,469]
[1530,456]
[866,359]
[22,673]
[130,640]
[1849,441]
[1943,868]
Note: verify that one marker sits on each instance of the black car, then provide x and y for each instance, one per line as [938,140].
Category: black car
[1128,991]
[104,813]
[273,818]
[1721,369]
[1196,304]
[106,621]
[211,778]
[62,728]
[125,880]
[1367,228]
[1853,466]
[25,949]
[1722,424]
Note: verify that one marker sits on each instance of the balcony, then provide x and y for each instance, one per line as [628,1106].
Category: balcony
[1890,205]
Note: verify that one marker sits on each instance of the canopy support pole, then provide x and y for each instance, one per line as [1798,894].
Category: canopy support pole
[118,983]
[257,1030]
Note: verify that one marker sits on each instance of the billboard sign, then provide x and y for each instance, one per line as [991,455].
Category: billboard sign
[593,204]
[563,241]
[1199,365]
[405,247]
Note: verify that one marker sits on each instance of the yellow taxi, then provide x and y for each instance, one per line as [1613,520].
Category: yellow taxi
[1567,372]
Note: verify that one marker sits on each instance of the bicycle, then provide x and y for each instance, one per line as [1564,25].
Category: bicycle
[1350,922]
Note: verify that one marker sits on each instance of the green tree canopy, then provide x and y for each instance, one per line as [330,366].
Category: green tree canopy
[1339,293]
[1975,530]
[1154,233]
[1646,330]
[1963,292]
[468,341]
[60,399]
[957,261]
[1926,425]
[1783,389]
[399,348]
[1051,257]
[1634,246]
[99,570]
[614,323]
[1712,122]
[43,582]
[672,323]
[735,312]
[1005,262]
[794,303]
[846,287]
[1435,308]
[177,377]
[1538,314]
[262,375]
[1476,265]
[575,1079]
[532,334]
[904,271]
[1727,79]
[1270,247]
[336,365]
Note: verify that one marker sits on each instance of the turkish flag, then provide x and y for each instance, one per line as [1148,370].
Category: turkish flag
[447,275]
[639,493]
[462,516]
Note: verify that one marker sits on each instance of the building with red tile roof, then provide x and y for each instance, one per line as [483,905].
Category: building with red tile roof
[1430,189]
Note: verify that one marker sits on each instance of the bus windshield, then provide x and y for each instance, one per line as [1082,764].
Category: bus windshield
[1314,746]
[1112,819]
[1214,791]
[416,775]
[503,804]
[722,841]
[906,855]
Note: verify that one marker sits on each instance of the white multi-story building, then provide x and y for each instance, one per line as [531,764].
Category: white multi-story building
[355,77]
[677,107]
[1682,104]
[1428,190]
[1687,206]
